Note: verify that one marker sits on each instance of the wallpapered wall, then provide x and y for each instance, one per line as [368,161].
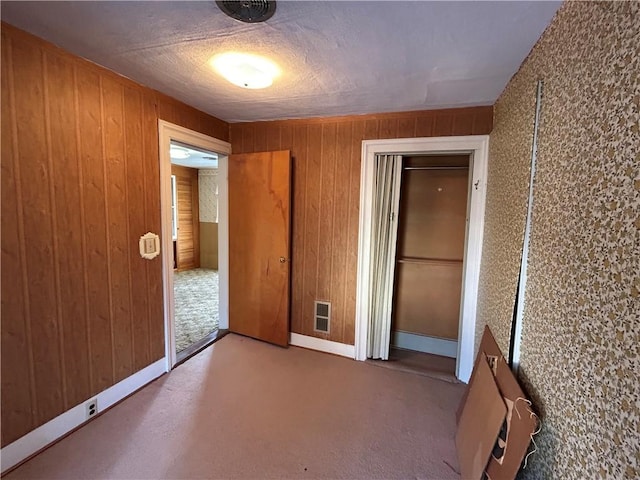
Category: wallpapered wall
[208,200]
[581,331]
[208,195]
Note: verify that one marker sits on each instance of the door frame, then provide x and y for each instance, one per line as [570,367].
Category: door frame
[166,133]
[478,147]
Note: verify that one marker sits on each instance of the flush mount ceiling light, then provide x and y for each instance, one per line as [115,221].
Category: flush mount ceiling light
[248,11]
[178,153]
[245,70]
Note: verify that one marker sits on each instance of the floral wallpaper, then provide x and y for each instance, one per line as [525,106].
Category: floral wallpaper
[208,195]
[581,332]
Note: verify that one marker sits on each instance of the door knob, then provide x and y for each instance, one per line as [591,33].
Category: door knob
[282,259]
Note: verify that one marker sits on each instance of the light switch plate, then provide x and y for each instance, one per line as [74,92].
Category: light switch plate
[149,245]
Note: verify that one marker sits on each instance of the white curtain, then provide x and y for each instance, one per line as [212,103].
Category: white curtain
[384,231]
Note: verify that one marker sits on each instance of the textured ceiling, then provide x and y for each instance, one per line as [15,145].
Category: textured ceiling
[337,58]
[199,159]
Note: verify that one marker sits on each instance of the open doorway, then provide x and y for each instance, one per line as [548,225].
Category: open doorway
[194,209]
[473,148]
[429,260]
[195,244]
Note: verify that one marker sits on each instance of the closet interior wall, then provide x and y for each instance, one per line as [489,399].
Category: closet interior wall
[431,241]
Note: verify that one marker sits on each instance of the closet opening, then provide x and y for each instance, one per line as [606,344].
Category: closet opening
[430,245]
[418,268]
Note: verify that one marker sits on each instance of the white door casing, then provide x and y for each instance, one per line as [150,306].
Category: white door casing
[166,133]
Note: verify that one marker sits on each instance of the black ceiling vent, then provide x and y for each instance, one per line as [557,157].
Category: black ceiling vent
[249,11]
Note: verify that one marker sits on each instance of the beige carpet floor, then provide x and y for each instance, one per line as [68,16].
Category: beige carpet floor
[244,409]
[196,305]
[434,366]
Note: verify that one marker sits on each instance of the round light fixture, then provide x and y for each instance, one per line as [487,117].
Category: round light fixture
[245,70]
[178,153]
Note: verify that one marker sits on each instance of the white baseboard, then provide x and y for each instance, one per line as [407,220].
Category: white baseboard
[422,343]
[321,345]
[37,439]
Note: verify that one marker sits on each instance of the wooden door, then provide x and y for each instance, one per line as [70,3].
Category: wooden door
[259,245]
[188,241]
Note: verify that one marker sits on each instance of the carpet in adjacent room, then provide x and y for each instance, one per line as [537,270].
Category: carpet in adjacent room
[196,305]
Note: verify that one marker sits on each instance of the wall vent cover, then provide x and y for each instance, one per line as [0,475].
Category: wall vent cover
[322,315]
[248,11]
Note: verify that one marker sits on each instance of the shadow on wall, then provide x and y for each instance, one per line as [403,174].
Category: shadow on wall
[546,440]
[209,245]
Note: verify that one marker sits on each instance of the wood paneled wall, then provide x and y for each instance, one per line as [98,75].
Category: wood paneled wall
[326,185]
[188,205]
[81,310]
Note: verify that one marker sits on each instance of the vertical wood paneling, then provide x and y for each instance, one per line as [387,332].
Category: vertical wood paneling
[443,125]
[185,244]
[273,137]
[135,186]
[67,200]
[286,137]
[424,126]
[117,226]
[80,184]
[407,127]
[312,214]
[173,111]
[326,197]
[462,125]
[153,268]
[54,226]
[299,154]
[261,140]
[17,396]
[32,150]
[371,129]
[482,123]
[339,235]
[247,140]
[388,128]
[188,244]
[95,233]
[353,208]
[81,213]
[327,180]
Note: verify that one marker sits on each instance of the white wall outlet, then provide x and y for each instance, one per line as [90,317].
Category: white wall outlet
[91,408]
